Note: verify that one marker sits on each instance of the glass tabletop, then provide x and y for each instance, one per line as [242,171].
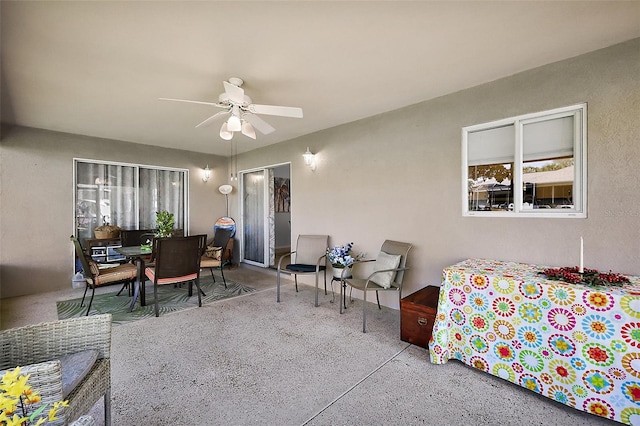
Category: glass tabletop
[133,251]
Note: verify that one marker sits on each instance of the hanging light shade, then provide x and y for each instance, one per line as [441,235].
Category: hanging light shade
[233,124]
[225,133]
[248,130]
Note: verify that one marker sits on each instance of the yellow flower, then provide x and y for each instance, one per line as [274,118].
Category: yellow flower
[15,395]
[16,420]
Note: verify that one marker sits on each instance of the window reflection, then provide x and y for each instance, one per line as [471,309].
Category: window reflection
[490,187]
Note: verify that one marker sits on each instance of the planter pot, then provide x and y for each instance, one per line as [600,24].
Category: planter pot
[337,273]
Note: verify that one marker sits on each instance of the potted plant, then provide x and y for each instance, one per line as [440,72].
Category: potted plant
[164,224]
[342,257]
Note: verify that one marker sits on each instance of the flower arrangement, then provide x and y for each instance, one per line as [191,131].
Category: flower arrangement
[590,277]
[17,398]
[342,256]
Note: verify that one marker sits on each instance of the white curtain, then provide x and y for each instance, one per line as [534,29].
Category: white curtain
[127,196]
[161,190]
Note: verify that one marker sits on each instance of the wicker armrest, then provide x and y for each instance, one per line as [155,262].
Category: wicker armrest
[45,341]
[31,346]
[84,421]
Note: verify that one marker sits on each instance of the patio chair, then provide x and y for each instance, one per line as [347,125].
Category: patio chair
[136,237]
[177,260]
[308,258]
[216,255]
[387,275]
[95,276]
[66,359]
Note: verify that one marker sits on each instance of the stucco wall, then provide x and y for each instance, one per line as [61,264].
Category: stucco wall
[392,176]
[36,178]
[398,175]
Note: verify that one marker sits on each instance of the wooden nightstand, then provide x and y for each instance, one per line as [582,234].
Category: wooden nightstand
[417,315]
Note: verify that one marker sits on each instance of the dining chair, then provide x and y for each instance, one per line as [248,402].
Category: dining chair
[95,276]
[177,260]
[387,275]
[136,237]
[308,258]
[218,257]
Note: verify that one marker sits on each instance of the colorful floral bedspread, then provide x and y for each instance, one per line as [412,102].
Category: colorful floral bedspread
[571,343]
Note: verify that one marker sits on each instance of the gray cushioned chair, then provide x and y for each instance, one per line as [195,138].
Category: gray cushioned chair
[308,258]
[388,274]
[38,350]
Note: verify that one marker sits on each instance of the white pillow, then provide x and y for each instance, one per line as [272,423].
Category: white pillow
[385,261]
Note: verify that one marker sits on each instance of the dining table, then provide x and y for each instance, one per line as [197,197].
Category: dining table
[138,254]
[574,343]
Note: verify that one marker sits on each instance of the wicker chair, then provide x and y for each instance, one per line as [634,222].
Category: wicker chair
[177,261]
[96,277]
[37,349]
[84,421]
[221,239]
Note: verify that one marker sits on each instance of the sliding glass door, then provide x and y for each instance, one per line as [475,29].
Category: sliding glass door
[253,218]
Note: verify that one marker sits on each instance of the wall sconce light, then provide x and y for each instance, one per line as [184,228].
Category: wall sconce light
[309,159]
[206,173]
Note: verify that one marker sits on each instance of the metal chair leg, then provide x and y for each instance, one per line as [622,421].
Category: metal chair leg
[155,296]
[378,297]
[199,291]
[107,407]
[86,287]
[224,280]
[93,292]
[364,313]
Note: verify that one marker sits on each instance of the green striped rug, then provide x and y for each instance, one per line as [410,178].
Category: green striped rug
[170,298]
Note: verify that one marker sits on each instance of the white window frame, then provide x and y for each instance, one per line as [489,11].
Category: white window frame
[579,210]
[137,167]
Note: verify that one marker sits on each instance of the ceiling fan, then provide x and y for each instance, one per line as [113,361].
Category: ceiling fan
[242,112]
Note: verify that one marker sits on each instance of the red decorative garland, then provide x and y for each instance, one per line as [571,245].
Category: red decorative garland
[590,277]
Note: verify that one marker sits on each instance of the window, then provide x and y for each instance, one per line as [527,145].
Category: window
[532,165]
[126,195]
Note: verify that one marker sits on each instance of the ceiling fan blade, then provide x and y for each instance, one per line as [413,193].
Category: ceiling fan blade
[210,120]
[276,110]
[257,122]
[194,102]
[235,93]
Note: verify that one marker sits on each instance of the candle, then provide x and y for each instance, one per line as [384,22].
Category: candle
[581,270]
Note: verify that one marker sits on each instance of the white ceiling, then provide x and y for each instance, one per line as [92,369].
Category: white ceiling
[98,68]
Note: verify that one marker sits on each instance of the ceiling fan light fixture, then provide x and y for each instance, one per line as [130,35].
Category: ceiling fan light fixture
[248,130]
[225,133]
[233,124]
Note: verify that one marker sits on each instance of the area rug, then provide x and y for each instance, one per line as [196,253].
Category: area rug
[170,298]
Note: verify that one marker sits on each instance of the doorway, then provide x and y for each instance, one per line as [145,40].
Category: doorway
[266,214]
